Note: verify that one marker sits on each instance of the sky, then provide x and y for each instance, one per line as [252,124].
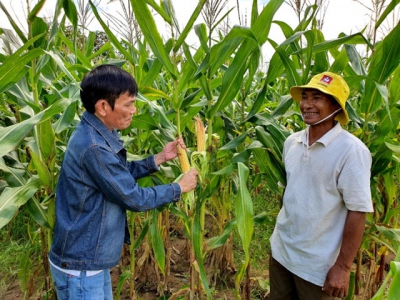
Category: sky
[345,16]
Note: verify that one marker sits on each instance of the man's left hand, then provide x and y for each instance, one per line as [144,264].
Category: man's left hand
[337,282]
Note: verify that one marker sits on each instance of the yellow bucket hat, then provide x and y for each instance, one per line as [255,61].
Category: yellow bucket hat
[331,84]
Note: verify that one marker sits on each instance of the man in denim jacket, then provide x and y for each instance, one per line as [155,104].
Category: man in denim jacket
[97,185]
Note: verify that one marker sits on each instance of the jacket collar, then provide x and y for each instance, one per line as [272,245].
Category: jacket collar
[112,137]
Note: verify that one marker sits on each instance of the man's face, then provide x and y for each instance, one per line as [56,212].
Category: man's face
[316,105]
[121,117]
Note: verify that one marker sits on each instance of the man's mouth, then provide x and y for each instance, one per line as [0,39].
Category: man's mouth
[310,114]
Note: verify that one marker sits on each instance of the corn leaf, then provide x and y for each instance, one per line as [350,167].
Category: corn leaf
[388,10]
[144,122]
[189,25]
[197,240]
[383,63]
[394,291]
[12,198]
[66,118]
[14,25]
[11,136]
[15,66]
[39,213]
[244,217]
[149,30]
[157,242]
[111,35]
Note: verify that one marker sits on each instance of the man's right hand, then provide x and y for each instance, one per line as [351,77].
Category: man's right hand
[188,182]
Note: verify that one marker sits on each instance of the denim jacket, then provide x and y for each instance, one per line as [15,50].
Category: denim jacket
[96,187]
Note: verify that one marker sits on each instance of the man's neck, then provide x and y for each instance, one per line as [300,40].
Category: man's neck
[315,132]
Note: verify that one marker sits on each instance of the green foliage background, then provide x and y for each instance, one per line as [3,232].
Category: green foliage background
[248,113]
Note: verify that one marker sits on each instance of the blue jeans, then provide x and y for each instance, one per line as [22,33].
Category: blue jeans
[69,287]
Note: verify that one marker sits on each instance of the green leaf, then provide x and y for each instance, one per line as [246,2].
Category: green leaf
[38,28]
[61,64]
[15,66]
[152,93]
[388,10]
[394,291]
[144,122]
[111,36]
[12,198]
[38,212]
[149,30]
[157,242]
[189,26]
[384,62]
[11,136]
[235,142]
[14,24]
[244,217]
[201,32]
[291,72]
[233,77]
[66,118]
[273,170]
[71,13]
[244,209]
[395,86]
[220,240]
[143,233]
[83,59]
[262,25]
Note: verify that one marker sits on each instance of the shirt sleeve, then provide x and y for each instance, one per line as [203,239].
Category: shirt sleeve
[354,181]
[117,183]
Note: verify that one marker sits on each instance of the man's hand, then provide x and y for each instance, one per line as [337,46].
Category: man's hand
[188,182]
[337,282]
[170,151]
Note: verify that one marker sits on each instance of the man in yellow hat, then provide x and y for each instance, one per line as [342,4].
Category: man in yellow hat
[320,226]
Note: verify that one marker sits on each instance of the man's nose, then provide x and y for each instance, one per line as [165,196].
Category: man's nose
[306,102]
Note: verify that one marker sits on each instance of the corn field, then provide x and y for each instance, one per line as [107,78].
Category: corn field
[232,112]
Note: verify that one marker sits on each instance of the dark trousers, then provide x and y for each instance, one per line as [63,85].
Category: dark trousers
[287,286]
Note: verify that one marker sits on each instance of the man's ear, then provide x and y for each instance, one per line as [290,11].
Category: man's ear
[101,107]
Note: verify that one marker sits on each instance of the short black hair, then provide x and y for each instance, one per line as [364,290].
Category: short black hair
[106,82]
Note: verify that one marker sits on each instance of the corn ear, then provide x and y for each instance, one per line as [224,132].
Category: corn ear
[201,134]
[183,159]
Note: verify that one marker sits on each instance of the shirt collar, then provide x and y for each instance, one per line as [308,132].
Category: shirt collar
[112,137]
[326,139]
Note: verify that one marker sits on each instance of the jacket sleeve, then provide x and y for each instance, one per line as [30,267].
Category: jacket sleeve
[143,168]
[116,182]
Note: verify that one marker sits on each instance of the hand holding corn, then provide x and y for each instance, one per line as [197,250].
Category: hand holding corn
[188,182]
[170,151]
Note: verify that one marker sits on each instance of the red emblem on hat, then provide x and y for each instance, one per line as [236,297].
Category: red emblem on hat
[326,79]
